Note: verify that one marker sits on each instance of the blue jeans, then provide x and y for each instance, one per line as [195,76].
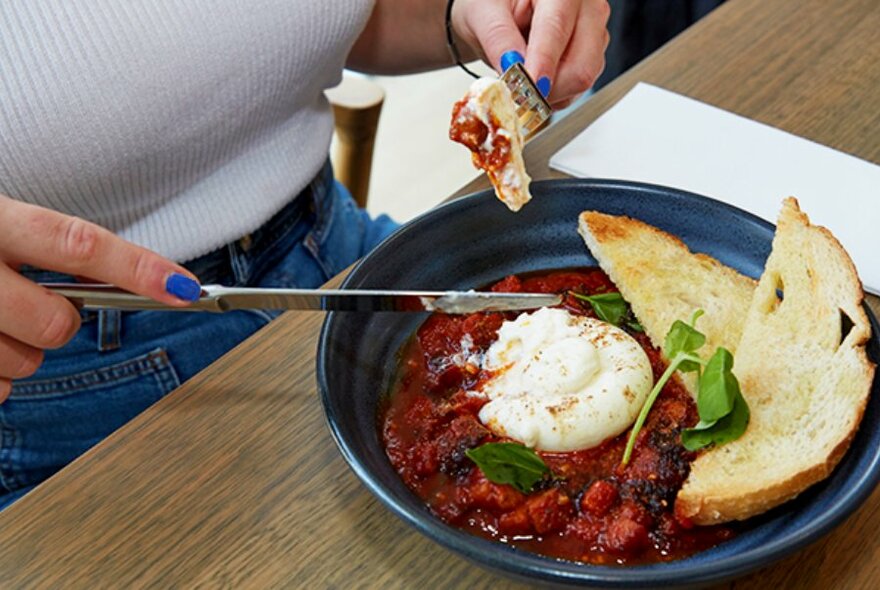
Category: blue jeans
[118,364]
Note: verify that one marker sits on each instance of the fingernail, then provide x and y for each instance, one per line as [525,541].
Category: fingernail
[543,85]
[509,58]
[183,287]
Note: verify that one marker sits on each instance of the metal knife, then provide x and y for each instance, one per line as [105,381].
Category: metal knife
[216,298]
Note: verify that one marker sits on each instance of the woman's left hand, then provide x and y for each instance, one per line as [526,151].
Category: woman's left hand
[563,41]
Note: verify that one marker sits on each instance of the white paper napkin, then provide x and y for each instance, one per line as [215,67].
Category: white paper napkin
[653,135]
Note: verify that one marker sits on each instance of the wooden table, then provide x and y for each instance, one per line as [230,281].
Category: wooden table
[234,480]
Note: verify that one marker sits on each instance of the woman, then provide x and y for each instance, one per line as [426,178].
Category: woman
[156,144]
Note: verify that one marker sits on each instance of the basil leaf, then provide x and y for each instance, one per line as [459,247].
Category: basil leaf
[724,413]
[703,425]
[684,338]
[510,463]
[718,387]
[726,429]
[609,307]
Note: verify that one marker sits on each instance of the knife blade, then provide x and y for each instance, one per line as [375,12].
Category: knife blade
[218,299]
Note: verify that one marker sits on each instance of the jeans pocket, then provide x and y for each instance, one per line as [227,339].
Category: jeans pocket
[46,423]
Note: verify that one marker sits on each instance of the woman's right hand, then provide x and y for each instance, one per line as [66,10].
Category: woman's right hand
[32,318]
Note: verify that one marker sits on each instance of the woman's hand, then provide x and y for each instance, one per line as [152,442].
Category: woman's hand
[32,318]
[565,51]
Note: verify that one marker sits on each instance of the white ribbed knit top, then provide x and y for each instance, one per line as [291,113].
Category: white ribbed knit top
[178,124]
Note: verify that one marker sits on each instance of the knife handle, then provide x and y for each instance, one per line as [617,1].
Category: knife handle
[101,296]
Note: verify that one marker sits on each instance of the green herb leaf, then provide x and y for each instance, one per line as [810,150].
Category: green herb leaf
[718,387]
[684,338]
[609,307]
[726,429]
[510,463]
[724,413]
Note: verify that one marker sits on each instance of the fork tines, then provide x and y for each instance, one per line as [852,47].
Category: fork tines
[532,109]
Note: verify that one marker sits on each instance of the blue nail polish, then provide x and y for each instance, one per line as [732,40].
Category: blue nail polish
[509,58]
[183,287]
[543,85]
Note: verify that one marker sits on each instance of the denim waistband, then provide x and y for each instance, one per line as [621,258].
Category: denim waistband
[226,266]
[237,262]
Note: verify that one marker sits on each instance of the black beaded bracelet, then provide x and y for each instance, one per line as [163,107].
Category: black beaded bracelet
[450,41]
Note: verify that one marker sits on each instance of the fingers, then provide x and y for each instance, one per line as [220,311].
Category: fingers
[584,58]
[33,315]
[53,241]
[566,40]
[552,26]
[562,104]
[18,360]
[566,50]
[33,318]
[493,28]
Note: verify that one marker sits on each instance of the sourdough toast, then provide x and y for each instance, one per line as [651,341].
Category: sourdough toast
[804,371]
[664,281]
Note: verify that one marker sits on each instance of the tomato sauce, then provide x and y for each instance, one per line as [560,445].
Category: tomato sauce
[593,510]
[471,132]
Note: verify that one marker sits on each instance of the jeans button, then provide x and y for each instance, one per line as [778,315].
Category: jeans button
[246,242]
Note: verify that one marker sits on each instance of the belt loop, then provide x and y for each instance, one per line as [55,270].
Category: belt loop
[322,198]
[109,329]
[240,263]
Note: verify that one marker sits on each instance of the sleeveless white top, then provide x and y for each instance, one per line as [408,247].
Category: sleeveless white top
[180,125]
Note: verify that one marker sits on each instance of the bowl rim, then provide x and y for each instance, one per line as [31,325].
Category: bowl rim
[532,566]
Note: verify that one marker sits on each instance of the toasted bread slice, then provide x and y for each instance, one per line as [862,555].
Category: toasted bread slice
[663,281]
[804,372]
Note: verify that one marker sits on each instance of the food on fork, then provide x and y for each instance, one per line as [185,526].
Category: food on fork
[485,121]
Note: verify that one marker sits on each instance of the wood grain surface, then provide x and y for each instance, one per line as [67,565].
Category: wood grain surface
[233,480]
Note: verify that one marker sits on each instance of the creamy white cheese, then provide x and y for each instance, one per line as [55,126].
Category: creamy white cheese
[563,382]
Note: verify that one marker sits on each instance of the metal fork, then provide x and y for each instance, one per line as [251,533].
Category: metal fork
[532,108]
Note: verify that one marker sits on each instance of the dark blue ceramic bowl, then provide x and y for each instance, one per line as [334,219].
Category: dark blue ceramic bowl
[475,240]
